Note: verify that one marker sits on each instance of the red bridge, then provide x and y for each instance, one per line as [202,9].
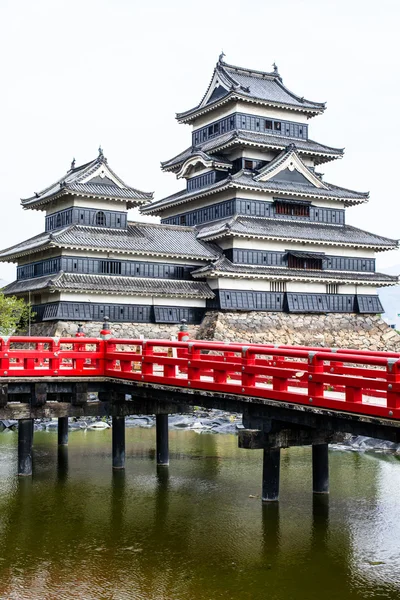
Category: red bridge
[288,395]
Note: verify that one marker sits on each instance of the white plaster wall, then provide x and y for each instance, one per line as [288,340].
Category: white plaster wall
[129,299]
[96,203]
[306,287]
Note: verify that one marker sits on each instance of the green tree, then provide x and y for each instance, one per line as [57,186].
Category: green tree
[14,314]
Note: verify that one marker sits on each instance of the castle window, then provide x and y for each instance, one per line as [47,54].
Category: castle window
[58,220]
[278,286]
[182,220]
[304,260]
[248,164]
[293,210]
[277,125]
[100,218]
[268,124]
[111,267]
[332,288]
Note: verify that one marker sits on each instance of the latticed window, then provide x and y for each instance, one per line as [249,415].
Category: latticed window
[100,218]
[278,286]
[295,210]
[332,288]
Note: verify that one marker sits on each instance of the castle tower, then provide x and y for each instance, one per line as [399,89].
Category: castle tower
[91,262]
[253,188]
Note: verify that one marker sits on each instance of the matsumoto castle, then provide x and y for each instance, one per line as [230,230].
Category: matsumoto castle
[255,228]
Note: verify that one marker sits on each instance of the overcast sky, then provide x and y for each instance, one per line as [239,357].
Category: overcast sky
[79,73]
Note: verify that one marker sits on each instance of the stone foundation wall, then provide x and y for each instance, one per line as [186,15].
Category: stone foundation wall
[357,331]
[367,332]
[119,330]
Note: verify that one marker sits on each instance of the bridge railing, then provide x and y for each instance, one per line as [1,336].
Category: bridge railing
[363,382]
[349,380]
[43,356]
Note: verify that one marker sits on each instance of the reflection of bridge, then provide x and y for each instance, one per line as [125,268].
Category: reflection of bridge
[288,395]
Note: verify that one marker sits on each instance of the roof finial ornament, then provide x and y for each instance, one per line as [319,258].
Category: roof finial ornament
[100,151]
[221,56]
[73,164]
[275,68]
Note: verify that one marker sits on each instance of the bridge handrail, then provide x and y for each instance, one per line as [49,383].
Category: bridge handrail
[363,382]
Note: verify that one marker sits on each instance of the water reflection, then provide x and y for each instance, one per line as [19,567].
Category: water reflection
[197,528]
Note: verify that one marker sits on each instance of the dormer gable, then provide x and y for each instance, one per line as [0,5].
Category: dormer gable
[288,166]
[199,161]
[92,180]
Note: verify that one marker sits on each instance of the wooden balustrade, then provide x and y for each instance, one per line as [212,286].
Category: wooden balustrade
[357,381]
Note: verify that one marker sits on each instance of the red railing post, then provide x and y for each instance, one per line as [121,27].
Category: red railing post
[55,361]
[393,384]
[147,365]
[193,355]
[248,360]
[4,355]
[279,384]
[315,366]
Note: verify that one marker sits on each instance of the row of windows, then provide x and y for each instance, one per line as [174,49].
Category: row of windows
[86,311]
[202,180]
[297,303]
[86,216]
[97,266]
[251,123]
[258,208]
[37,269]
[285,259]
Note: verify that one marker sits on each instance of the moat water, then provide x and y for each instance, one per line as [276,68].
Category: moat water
[196,530]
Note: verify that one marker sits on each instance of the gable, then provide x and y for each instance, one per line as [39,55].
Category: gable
[291,176]
[218,93]
[103,180]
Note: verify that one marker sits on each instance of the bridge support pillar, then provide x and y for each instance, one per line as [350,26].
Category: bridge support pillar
[320,468]
[63,431]
[118,442]
[271,471]
[162,440]
[25,440]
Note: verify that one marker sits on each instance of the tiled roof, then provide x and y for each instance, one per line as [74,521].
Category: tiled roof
[245,180]
[251,85]
[262,140]
[73,182]
[281,229]
[112,284]
[223,266]
[139,238]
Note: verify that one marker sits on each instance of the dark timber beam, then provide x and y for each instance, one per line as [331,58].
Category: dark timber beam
[118,442]
[162,440]
[62,431]
[25,440]
[320,468]
[255,439]
[271,473]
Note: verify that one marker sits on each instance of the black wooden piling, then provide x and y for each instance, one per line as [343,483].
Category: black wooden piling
[25,439]
[320,468]
[118,442]
[271,468]
[162,440]
[62,431]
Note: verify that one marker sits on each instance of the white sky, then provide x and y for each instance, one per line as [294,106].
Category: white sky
[79,73]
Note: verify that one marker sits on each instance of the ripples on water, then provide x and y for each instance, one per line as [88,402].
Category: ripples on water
[77,530]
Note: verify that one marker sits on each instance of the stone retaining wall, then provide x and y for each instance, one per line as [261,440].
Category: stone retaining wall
[119,330]
[368,332]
